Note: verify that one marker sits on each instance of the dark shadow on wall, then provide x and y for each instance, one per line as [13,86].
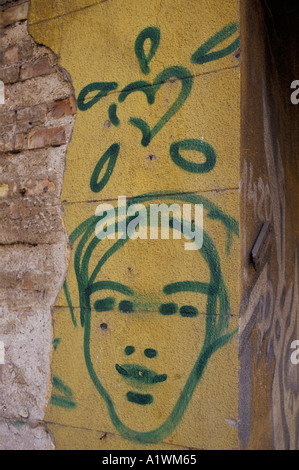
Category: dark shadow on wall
[269,385]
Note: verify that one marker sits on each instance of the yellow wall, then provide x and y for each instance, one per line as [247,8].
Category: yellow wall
[189,97]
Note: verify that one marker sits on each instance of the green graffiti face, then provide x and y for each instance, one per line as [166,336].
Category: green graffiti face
[147,334]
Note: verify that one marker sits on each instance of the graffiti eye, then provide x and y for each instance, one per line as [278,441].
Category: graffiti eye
[188,311]
[168,309]
[129,350]
[150,353]
[125,306]
[104,305]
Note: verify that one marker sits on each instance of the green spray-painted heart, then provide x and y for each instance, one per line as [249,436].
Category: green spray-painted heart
[176,73]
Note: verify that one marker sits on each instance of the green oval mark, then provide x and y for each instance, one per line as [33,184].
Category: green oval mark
[109,156]
[150,353]
[168,309]
[199,146]
[188,311]
[140,398]
[125,306]
[153,34]
[129,350]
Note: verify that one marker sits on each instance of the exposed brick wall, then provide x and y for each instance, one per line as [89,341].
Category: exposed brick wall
[36,123]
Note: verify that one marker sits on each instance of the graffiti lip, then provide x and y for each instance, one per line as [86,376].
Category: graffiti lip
[138,375]
[140,398]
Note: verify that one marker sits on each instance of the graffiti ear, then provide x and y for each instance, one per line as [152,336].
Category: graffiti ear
[90,252]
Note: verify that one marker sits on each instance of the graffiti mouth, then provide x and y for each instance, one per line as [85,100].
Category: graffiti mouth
[140,398]
[139,376]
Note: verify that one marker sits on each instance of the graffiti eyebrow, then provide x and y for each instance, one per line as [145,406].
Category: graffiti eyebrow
[187,286]
[110,285]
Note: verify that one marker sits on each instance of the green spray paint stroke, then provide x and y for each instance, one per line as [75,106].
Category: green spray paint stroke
[216,334]
[139,376]
[112,115]
[104,305]
[103,89]
[125,306]
[65,400]
[143,86]
[203,54]
[56,343]
[168,309]
[153,34]
[188,311]
[199,146]
[106,162]
[140,399]
[129,350]
[171,73]
[150,353]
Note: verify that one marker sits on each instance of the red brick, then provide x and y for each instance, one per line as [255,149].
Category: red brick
[36,68]
[47,138]
[27,281]
[62,108]
[11,55]
[26,49]
[29,116]
[7,142]
[6,118]
[9,74]
[40,186]
[20,142]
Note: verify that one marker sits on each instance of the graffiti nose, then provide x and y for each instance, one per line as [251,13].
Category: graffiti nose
[129,350]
